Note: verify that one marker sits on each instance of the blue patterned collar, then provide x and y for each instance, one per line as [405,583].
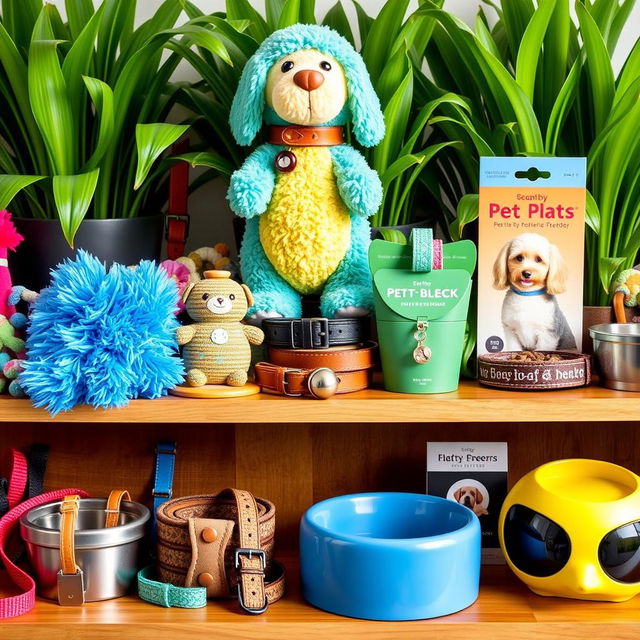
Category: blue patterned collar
[538,292]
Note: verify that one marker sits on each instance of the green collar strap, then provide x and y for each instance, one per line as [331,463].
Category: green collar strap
[168,595]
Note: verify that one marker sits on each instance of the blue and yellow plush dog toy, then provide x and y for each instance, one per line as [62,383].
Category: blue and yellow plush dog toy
[306,195]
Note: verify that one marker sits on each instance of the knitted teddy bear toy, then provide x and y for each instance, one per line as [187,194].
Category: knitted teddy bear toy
[216,347]
[305,194]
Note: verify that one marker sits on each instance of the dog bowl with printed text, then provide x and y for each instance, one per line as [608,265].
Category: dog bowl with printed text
[390,556]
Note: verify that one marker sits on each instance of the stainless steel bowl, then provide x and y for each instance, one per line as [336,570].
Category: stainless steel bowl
[616,351]
[109,558]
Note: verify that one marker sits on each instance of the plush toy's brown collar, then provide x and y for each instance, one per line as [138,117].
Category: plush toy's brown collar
[298,136]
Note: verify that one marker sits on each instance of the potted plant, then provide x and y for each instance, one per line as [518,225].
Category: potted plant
[392,47]
[537,83]
[82,128]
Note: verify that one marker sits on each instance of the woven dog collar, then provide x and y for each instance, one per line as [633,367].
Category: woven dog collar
[300,136]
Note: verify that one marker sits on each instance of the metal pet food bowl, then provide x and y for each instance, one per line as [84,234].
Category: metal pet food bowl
[109,557]
[616,350]
[390,556]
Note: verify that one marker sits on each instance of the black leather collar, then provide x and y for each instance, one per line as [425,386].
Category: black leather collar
[314,333]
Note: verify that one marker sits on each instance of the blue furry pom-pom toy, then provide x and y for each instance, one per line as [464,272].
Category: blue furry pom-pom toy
[102,337]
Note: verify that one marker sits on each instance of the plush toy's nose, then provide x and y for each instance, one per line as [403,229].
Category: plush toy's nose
[308,79]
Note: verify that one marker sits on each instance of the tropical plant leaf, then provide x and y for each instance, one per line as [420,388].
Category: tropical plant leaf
[530,46]
[151,141]
[79,13]
[381,35]
[289,14]
[467,211]
[73,195]
[598,65]
[241,9]
[11,185]
[207,159]
[364,21]
[392,235]
[608,267]
[337,19]
[396,117]
[592,217]
[50,105]
[102,98]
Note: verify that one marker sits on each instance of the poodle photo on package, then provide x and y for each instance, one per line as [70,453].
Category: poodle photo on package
[534,272]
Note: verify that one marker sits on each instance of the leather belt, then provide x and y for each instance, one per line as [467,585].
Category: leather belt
[301,136]
[314,333]
[297,372]
[223,543]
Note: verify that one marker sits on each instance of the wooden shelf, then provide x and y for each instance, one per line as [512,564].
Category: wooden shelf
[471,403]
[505,610]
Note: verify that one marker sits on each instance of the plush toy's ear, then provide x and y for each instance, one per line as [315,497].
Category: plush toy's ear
[248,294]
[248,103]
[366,114]
[186,292]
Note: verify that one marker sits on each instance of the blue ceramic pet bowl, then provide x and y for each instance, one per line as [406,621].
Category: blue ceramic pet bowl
[390,556]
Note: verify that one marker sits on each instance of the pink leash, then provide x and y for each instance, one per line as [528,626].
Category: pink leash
[18,475]
[25,601]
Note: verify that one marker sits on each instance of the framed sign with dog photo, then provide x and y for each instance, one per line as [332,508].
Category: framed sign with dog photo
[531,252]
[475,475]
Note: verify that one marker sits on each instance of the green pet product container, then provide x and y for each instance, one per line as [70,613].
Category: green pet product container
[421,313]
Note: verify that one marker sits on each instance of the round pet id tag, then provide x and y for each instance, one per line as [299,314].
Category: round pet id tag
[422,354]
[286,161]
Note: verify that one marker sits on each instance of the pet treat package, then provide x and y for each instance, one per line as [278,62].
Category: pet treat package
[475,475]
[531,252]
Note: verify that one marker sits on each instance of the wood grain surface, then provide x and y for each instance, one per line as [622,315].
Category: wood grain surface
[505,610]
[471,402]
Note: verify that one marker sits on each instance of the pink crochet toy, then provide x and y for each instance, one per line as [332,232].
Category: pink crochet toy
[9,239]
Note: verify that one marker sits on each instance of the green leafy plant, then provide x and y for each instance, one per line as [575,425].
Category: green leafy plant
[84,102]
[540,82]
[391,46]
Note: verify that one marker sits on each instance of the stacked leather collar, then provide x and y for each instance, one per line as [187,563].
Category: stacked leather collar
[316,357]
[223,543]
[314,333]
[316,373]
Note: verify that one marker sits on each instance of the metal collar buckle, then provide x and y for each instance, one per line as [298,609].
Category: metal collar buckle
[285,382]
[184,217]
[71,588]
[250,553]
[323,334]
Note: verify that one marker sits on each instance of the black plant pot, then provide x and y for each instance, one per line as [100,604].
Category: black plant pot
[114,240]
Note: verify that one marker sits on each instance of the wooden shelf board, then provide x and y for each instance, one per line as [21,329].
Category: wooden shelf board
[505,610]
[470,403]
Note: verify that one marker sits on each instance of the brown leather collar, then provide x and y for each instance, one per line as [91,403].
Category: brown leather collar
[290,370]
[298,136]
[239,529]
